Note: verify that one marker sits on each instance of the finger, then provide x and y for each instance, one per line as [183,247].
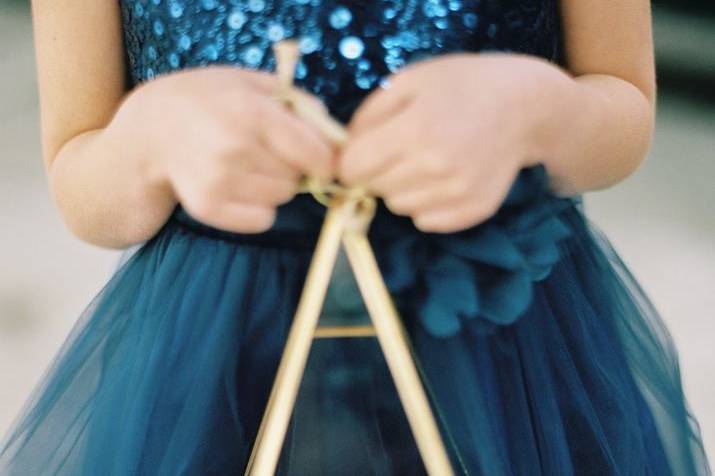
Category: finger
[402,176]
[367,154]
[264,81]
[379,106]
[238,217]
[444,219]
[260,160]
[295,141]
[260,189]
[413,173]
[438,193]
[313,100]
[447,219]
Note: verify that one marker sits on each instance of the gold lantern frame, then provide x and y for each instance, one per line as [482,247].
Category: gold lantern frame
[349,213]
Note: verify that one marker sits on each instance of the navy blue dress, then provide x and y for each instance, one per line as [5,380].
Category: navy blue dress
[539,351]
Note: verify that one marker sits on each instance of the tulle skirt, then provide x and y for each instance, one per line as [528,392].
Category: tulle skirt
[168,370]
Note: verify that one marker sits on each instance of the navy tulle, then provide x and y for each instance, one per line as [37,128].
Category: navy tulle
[168,370]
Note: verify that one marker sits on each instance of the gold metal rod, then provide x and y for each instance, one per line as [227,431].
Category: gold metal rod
[345,223]
[274,425]
[324,332]
[394,342]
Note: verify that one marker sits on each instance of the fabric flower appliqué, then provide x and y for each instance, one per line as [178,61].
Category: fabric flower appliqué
[484,273]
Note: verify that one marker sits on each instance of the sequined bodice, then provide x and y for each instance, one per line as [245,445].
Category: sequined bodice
[348,46]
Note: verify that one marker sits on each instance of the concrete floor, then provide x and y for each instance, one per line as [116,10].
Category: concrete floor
[661,220]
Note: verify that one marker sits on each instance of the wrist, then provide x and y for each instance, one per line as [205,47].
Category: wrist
[553,104]
[540,107]
[147,166]
[531,94]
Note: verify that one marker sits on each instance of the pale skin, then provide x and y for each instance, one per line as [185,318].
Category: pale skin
[442,144]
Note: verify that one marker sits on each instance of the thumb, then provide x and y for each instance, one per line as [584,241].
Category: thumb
[379,106]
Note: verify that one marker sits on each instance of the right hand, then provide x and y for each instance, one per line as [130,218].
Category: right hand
[227,150]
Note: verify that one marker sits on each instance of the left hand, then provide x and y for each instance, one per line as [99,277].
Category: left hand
[444,142]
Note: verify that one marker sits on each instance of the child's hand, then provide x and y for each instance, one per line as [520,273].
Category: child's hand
[228,150]
[445,141]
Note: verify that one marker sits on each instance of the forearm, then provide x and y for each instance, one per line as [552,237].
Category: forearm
[593,130]
[107,190]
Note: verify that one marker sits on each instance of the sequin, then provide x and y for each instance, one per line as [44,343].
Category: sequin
[455,5]
[384,83]
[408,40]
[151,52]
[158,28]
[389,13]
[308,44]
[275,32]
[256,6]
[184,42]
[441,23]
[470,20]
[340,18]
[236,19]
[211,52]
[174,60]
[329,63]
[252,56]
[394,62]
[433,9]
[492,30]
[351,47]
[300,70]
[388,42]
[365,81]
[176,9]
[209,4]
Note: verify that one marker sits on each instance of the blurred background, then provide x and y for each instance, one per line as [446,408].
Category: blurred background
[661,219]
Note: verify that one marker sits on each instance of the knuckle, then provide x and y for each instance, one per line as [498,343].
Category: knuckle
[225,150]
[396,205]
[215,178]
[263,219]
[345,171]
[438,166]
[424,223]
[321,163]
[292,188]
[419,222]
[492,206]
[465,217]
[247,114]
[443,226]
[241,144]
[433,166]
[482,211]
[283,193]
[461,186]
[202,207]
[311,100]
